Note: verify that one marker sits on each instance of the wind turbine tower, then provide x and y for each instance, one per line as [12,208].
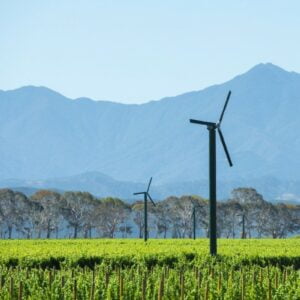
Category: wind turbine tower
[146,196]
[212,128]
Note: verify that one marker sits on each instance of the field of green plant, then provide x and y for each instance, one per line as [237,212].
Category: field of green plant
[86,252]
[160,269]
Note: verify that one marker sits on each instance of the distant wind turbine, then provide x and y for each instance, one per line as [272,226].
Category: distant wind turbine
[146,195]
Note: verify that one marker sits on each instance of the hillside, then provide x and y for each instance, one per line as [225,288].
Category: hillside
[46,135]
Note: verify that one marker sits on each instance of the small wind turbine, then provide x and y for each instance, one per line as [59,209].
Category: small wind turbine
[146,195]
[212,127]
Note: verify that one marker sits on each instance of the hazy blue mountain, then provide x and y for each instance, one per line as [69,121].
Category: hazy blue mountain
[46,135]
[94,182]
[101,185]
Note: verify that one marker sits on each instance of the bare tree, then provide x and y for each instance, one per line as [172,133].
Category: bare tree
[126,230]
[233,219]
[111,214]
[50,215]
[138,216]
[78,210]
[202,211]
[181,210]
[281,221]
[33,222]
[162,218]
[251,202]
[14,210]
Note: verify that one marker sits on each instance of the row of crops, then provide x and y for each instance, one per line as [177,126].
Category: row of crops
[160,269]
[210,281]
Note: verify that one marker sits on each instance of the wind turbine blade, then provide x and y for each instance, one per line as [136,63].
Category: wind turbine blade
[151,199]
[202,122]
[225,147]
[149,185]
[224,108]
[139,193]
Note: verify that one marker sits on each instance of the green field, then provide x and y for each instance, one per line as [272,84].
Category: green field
[160,269]
[71,252]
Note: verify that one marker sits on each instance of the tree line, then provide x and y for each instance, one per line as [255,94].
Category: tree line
[49,214]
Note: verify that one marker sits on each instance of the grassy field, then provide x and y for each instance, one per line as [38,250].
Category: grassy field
[35,252]
[160,269]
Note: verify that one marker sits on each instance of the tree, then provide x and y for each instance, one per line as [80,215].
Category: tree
[232,213]
[202,212]
[125,230]
[14,210]
[111,213]
[50,214]
[252,204]
[181,210]
[162,218]
[138,216]
[78,210]
[33,221]
[281,221]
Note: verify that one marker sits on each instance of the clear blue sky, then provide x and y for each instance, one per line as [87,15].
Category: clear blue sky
[133,50]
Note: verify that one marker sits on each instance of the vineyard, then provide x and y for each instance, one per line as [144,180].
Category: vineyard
[160,269]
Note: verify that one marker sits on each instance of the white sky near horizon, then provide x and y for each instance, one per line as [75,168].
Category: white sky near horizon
[134,51]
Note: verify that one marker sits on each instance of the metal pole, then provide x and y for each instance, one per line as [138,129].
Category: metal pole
[145,218]
[243,227]
[194,222]
[212,191]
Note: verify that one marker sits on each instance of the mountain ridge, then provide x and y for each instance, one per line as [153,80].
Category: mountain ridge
[46,135]
[102,185]
[260,66]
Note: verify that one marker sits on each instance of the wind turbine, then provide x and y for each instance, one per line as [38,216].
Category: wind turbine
[146,195]
[212,127]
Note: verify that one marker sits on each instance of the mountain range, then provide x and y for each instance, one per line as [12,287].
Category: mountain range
[108,148]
